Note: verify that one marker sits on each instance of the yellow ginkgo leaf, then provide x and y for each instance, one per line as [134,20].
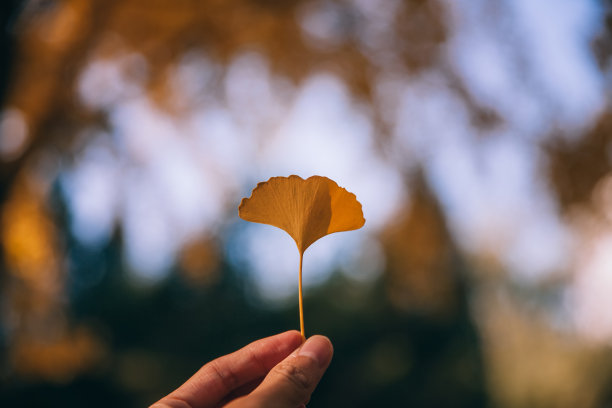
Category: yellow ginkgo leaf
[306,209]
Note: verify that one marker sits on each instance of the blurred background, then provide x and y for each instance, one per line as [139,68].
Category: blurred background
[476,134]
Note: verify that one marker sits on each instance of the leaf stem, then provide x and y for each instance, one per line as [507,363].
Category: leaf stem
[301,299]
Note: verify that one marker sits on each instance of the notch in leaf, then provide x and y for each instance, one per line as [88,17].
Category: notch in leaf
[306,209]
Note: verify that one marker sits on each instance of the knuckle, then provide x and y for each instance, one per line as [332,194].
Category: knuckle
[296,375]
[169,402]
[257,360]
[226,376]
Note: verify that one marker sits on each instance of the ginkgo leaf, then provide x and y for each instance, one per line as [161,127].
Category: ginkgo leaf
[306,209]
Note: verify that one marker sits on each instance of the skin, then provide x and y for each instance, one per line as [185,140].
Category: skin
[275,372]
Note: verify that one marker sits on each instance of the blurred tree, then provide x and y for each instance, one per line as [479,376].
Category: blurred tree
[75,325]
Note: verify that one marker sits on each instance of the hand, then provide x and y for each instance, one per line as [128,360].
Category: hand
[278,371]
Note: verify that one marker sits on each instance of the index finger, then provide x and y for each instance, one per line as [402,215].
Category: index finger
[215,380]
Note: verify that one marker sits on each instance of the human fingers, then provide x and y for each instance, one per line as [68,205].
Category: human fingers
[217,379]
[291,382]
[241,391]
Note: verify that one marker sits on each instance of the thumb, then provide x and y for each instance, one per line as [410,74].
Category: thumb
[291,382]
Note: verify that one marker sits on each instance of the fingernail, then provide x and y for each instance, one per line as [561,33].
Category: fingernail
[317,348]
